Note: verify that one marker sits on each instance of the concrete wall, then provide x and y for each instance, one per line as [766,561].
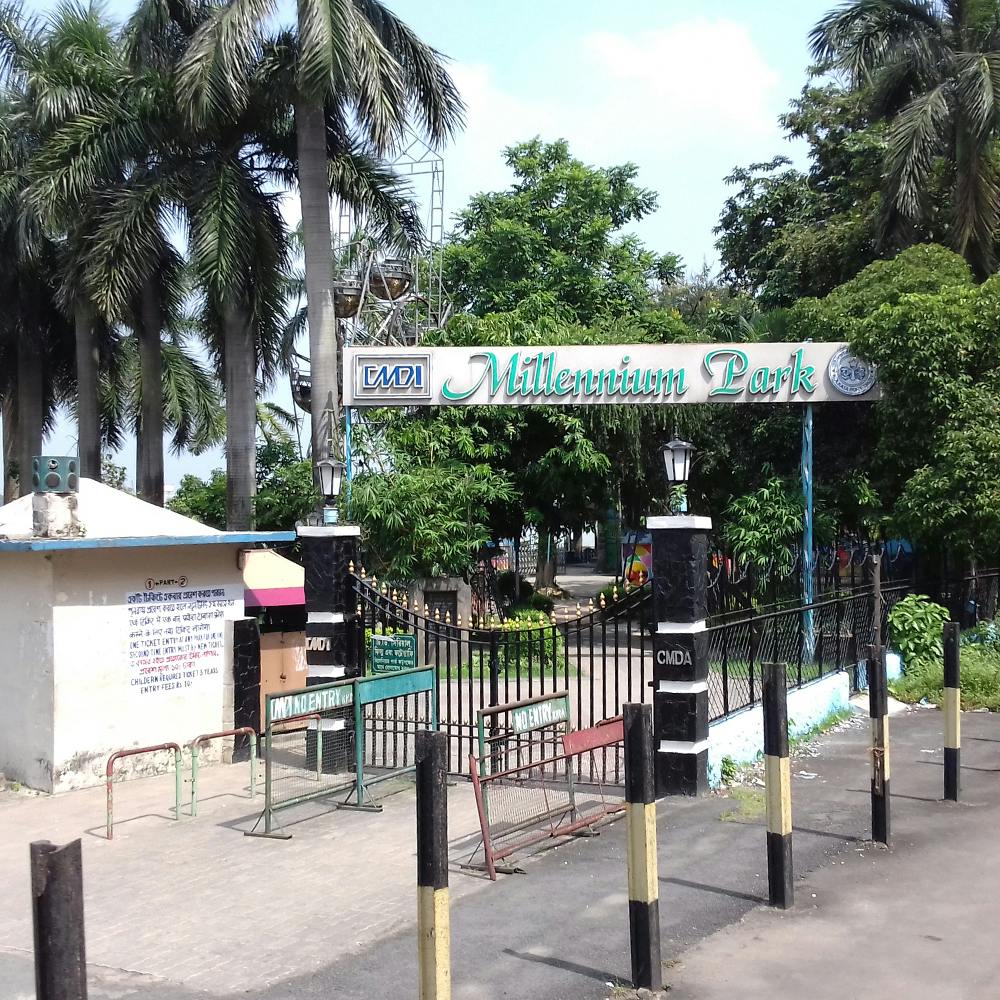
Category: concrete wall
[26,676]
[741,736]
[142,653]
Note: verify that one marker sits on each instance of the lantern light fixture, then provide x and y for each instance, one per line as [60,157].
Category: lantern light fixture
[677,461]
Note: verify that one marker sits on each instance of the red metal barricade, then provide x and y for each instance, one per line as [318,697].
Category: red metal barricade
[544,799]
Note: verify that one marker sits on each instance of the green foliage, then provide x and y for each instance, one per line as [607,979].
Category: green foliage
[785,233]
[285,491]
[935,337]
[554,233]
[113,475]
[924,679]
[728,770]
[929,71]
[915,625]
[426,520]
[763,527]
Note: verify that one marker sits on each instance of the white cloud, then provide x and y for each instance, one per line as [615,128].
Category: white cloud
[698,71]
[687,103]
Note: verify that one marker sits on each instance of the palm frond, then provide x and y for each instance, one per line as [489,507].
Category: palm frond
[916,135]
[213,74]
[430,88]
[862,36]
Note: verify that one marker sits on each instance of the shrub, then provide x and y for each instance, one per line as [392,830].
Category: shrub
[540,602]
[505,588]
[985,634]
[980,679]
[915,628]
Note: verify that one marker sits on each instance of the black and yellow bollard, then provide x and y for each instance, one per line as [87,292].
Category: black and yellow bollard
[433,926]
[640,820]
[952,706]
[778,786]
[878,709]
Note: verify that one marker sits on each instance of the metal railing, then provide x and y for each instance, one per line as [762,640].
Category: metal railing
[195,745]
[133,752]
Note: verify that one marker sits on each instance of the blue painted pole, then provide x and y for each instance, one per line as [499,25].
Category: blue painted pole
[348,456]
[808,555]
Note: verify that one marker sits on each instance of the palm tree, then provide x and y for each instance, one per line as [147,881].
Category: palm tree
[932,69]
[35,338]
[354,70]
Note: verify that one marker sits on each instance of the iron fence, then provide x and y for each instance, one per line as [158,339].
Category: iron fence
[603,657]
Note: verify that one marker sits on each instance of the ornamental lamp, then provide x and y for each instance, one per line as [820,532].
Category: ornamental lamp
[331,476]
[677,461]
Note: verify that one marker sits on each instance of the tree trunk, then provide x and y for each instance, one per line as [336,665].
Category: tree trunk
[314,193]
[149,442]
[241,417]
[10,449]
[545,567]
[87,402]
[30,394]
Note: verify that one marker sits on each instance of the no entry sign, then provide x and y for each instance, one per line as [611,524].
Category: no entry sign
[643,374]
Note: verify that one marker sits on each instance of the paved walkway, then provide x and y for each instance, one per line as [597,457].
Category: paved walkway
[197,903]
[179,911]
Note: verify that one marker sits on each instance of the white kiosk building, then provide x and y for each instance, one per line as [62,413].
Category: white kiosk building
[115,617]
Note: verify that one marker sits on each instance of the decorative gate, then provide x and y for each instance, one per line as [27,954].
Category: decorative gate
[602,657]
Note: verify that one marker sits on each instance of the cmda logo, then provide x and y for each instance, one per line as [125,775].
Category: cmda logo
[383,376]
[673,657]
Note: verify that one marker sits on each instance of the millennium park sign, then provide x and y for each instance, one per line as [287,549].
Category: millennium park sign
[641,373]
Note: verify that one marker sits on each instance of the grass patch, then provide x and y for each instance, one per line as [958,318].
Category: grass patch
[828,721]
[749,805]
[980,679]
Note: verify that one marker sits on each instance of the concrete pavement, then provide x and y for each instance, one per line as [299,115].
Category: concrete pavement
[330,914]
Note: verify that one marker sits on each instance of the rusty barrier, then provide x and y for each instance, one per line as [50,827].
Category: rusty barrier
[134,752]
[541,799]
[195,746]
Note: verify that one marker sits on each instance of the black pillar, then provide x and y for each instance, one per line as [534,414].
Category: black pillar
[57,911]
[331,618]
[680,653]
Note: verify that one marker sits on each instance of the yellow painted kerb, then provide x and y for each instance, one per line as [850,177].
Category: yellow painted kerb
[434,943]
[778,793]
[640,821]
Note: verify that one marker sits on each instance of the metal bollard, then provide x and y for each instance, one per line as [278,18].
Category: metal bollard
[57,914]
[433,919]
[952,712]
[778,786]
[640,820]
[878,708]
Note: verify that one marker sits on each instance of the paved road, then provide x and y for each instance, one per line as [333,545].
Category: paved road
[559,932]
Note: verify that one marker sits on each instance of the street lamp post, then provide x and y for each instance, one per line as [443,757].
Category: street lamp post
[680,642]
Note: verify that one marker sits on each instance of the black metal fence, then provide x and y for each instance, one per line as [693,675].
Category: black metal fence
[604,657]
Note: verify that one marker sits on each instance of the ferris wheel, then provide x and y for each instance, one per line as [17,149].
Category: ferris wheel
[384,300]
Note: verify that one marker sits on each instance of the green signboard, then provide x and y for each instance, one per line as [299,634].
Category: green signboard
[391,653]
[527,718]
[321,698]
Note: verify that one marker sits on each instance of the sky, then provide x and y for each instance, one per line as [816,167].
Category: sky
[686,91]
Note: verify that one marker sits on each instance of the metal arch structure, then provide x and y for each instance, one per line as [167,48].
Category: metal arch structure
[383,300]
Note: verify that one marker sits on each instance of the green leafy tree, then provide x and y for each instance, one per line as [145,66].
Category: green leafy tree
[285,492]
[556,232]
[762,529]
[785,233]
[931,71]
